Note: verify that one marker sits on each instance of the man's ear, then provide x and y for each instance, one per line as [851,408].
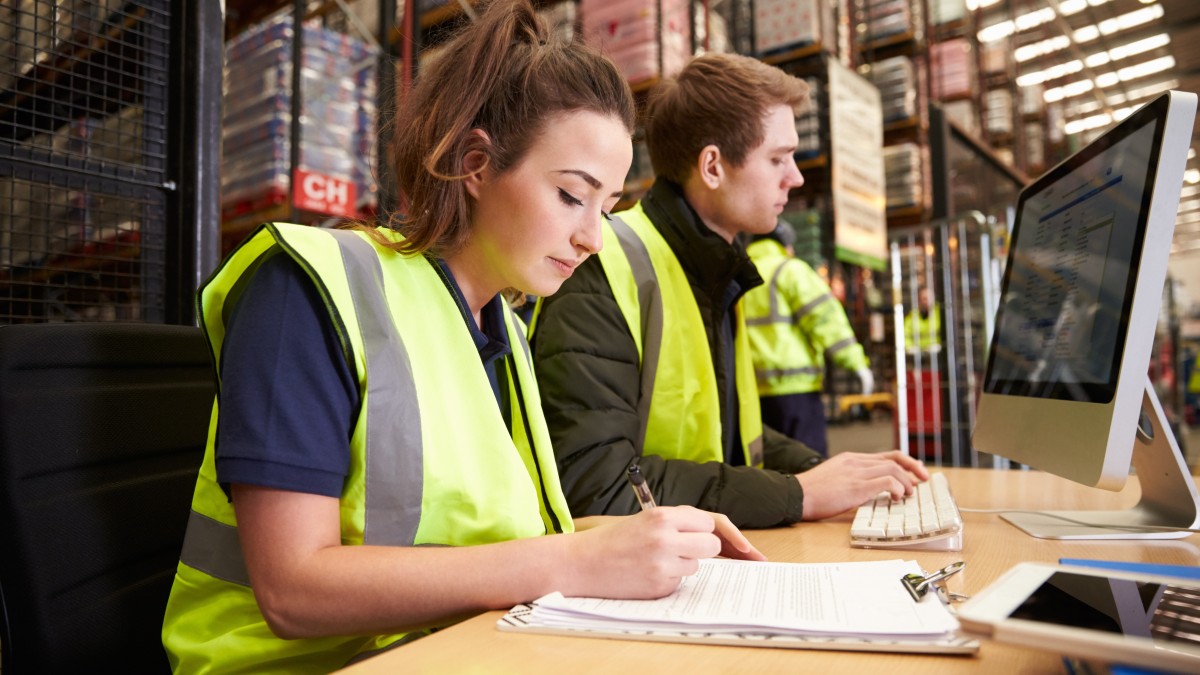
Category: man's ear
[475,161]
[709,169]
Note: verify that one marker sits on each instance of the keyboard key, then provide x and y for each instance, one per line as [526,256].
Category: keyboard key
[928,518]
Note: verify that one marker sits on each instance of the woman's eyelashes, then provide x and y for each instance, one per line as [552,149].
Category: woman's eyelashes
[568,199]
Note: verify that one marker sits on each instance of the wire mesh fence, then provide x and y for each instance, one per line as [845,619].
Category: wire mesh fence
[945,286]
[83,159]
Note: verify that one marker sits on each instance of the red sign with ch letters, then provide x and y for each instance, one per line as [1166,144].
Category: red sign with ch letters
[324,194]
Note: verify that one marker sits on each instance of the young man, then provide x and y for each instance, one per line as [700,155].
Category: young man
[642,357]
[794,323]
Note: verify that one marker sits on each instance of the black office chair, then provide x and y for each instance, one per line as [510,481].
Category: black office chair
[102,430]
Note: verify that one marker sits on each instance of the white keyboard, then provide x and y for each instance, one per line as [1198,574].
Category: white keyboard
[928,519]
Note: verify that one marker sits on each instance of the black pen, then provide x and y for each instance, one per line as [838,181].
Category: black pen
[638,482]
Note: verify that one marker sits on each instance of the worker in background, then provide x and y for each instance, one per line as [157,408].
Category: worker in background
[1191,394]
[643,356]
[379,465]
[923,325]
[794,322]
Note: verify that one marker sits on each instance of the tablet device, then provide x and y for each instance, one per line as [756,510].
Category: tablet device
[1130,618]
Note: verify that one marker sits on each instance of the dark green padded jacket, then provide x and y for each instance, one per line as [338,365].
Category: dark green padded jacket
[587,368]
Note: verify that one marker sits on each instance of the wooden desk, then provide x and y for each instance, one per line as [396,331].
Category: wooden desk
[990,547]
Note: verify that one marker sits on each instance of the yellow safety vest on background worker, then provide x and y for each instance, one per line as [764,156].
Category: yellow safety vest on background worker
[923,332]
[1193,383]
[794,322]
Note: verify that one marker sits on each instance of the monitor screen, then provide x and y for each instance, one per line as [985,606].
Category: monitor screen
[1061,326]
[1066,382]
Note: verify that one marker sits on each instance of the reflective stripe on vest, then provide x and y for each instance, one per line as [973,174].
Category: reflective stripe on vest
[394,480]
[774,316]
[418,475]
[787,344]
[678,406]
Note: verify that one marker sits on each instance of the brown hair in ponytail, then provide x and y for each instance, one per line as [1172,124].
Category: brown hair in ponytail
[509,76]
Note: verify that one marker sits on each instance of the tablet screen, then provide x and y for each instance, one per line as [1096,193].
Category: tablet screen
[1165,613]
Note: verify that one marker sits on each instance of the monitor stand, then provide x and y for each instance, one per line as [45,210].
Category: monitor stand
[1169,497]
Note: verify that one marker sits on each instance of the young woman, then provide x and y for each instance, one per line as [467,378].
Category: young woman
[378,464]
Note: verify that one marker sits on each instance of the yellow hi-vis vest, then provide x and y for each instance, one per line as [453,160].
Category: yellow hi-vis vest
[923,332]
[431,459]
[679,406]
[1193,384]
[789,345]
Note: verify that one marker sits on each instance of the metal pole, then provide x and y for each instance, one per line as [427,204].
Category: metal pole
[297,80]
[901,359]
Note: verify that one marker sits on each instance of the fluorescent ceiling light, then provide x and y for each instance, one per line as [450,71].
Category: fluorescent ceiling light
[1068,90]
[1087,34]
[1139,46]
[1088,106]
[1146,68]
[1128,20]
[996,31]
[1052,73]
[1028,20]
[1142,92]
[1093,122]
[1192,176]
[1034,19]
[1060,42]
[1126,50]
[1109,79]
[1101,58]
[1120,23]
[1122,113]
[1041,48]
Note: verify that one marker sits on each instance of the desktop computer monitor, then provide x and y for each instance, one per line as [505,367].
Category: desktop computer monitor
[1066,389]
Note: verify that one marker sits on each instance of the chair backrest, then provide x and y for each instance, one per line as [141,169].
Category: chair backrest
[102,431]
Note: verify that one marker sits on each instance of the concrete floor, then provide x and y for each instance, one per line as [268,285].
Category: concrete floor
[875,435]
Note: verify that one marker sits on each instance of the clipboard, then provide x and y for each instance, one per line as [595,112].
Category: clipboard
[517,620]
[849,606]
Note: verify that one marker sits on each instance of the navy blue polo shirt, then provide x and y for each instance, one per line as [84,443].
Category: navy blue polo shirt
[289,400]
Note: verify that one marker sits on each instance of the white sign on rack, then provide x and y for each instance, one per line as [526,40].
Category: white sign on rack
[857,178]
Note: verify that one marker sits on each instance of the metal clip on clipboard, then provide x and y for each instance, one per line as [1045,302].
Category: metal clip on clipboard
[918,585]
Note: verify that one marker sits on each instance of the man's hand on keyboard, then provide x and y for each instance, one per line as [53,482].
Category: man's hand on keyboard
[846,480]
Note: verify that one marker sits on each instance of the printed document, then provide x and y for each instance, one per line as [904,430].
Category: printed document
[865,599]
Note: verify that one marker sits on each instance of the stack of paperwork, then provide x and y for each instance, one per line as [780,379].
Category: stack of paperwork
[859,606]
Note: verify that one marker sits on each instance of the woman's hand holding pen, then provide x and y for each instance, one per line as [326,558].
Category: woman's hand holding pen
[645,555]
[734,544]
